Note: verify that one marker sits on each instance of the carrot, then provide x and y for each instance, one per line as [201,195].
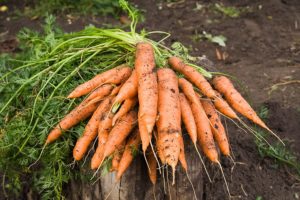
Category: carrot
[152,171]
[188,118]
[115,90]
[222,106]
[217,126]
[182,159]
[104,128]
[131,148]
[147,91]
[192,75]
[117,157]
[235,99]
[77,115]
[204,132]
[129,89]
[113,76]
[90,131]
[126,106]
[119,132]
[169,121]
[100,92]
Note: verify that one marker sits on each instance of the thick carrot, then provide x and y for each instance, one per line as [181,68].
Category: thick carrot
[204,132]
[117,157]
[235,99]
[80,113]
[222,106]
[129,89]
[152,171]
[90,131]
[126,107]
[113,76]
[131,148]
[188,118]
[119,132]
[192,75]
[182,159]
[169,121]
[147,91]
[217,126]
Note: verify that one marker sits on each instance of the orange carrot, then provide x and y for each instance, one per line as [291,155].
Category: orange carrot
[182,159]
[90,131]
[147,91]
[119,132]
[77,115]
[188,118]
[222,106]
[117,157]
[205,135]
[131,148]
[113,76]
[104,128]
[100,92]
[129,89]
[126,106]
[152,171]
[235,99]
[169,121]
[115,90]
[192,75]
[217,126]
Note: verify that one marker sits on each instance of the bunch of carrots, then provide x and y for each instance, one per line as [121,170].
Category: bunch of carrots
[147,105]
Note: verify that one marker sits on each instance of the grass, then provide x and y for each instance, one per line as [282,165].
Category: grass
[280,153]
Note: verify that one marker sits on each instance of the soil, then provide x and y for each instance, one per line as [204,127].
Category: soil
[263,48]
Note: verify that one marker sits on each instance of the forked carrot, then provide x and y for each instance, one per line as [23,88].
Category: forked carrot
[129,89]
[119,132]
[147,91]
[113,76]
[217,127]
[117,157]
[90,131]
[193,76]
[169,120]
[126,106]
[205,136]
[131,148]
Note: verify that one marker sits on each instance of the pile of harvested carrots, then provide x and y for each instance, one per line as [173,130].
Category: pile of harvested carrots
[147,105]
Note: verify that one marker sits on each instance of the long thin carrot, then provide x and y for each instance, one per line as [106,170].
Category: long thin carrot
[80,113]
[152,171]
[129,89]
[217,126]
[90,131]
[205,136]
[113,76]
[188,118]
[100,92]
[192,75]
[235,99]
[182,159]
[126,106]
[147,91]
[119,132]
[131,147]
[169,121]
[222,106]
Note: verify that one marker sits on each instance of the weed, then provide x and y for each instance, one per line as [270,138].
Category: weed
[218,39]
[280,153]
